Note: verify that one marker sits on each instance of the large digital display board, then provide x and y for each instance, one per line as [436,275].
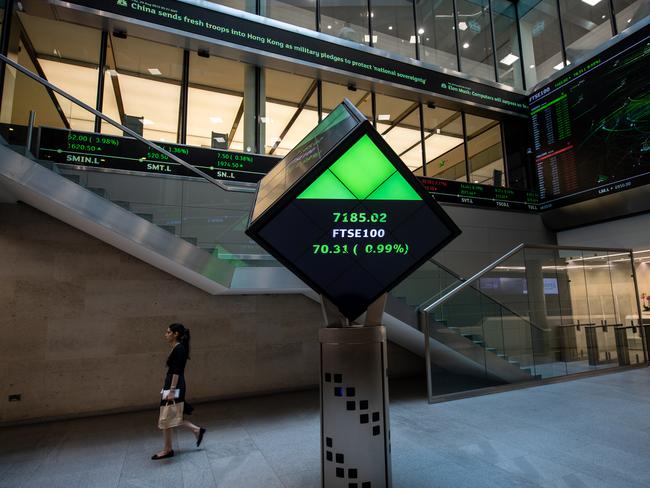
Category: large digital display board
[125,153]
[346,215]
[591,128]
[237,29]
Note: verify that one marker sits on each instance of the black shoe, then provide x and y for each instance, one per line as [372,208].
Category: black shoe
[199,439]
[164,456]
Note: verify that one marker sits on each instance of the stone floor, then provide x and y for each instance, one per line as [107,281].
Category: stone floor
[592,432]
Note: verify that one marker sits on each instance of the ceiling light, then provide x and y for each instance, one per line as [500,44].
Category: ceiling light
[216,120]
[265,120]
[561,65]
[112,72]
[383,117]
[390,27]
[412,40]
[604,16]
[420,30]
[329,26]
[462,26]
[163,139]
[466,45]
[629,20]
[154,71]
[532,66]
[509,59]
[366,38]
[591,2]
[147,122]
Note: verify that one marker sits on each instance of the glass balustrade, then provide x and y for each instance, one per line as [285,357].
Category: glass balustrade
[192,208]
[542,312]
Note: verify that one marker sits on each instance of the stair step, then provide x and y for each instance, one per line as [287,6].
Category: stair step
[97,191]
[74,178]
[169,228]
[145,216]
[192,240]
[123,204]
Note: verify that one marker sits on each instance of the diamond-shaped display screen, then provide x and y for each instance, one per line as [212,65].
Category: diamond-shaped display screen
[356,224]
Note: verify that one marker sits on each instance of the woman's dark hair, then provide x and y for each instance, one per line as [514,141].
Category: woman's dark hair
[183,336]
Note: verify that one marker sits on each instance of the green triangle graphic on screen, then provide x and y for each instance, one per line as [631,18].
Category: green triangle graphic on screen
[395,188]
[363,168]
[362,172]
[327,187]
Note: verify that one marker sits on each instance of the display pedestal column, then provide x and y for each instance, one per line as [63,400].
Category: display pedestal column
[355,435]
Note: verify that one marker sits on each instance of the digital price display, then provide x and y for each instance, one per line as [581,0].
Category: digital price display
[346,215]
[591,127]
[125,153]
[477,195]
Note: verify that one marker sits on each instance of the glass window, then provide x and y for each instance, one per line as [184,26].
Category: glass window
[393,28]
[443,144]
[629,12]
[435,24]
[485,151]
[69,56]
[348,21]
[142,87]
[586,25]
[291,110]
[334,94]
[540,39]
[475,38]
[398,121]
[295,12]
[245,5]
[215,103]
[507,43]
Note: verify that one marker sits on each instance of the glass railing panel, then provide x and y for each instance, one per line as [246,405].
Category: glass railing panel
[208,216]
[598,284]
[623,290]
[518,343]
[429,280]
[506,283]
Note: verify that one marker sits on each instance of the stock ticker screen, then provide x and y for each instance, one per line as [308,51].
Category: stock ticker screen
[348,217]
[591,128]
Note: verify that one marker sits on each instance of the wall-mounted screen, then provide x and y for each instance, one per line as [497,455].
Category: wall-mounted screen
[591,128]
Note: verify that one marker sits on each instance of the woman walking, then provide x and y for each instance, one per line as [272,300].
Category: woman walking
[178,337]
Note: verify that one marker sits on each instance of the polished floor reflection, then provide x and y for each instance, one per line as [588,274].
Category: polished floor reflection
[590,432]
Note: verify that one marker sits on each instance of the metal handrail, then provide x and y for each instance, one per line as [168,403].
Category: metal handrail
[509,254]
[132,133]
[470,280]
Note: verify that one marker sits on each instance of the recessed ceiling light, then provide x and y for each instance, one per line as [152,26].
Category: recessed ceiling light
[366,38]
[265,120]
[591,2]
[604,16]
[466,45]
[420,30]
[462,26]
[629,20]
[154,71]
[216,120]
[147,122]
[412,40]
[390,27]
[383,117]
[532,66]
[329,26]
[163,139]
[509,59]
